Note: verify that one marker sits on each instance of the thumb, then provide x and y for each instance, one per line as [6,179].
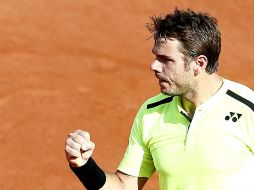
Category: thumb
[87,146]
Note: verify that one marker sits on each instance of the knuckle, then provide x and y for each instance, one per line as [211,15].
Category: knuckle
[85,134]
[75,138]
[70,135]
[74,153]
[75,145]
[68,141]
[78,131]
[67,149]
[71,144]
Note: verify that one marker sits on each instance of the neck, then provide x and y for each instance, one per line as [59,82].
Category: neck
[189,107]
[203,90]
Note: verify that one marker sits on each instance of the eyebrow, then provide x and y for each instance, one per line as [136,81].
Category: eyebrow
[161,55]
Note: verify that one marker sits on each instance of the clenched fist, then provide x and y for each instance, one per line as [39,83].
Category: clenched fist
[78,148]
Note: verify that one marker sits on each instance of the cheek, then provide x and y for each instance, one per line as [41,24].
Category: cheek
[169,70]
[187,77]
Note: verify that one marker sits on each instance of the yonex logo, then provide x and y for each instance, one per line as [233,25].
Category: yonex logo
[233,116]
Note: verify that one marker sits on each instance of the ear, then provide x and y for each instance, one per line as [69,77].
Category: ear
[200,64]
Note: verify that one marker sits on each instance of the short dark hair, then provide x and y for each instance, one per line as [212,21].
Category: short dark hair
[198,34]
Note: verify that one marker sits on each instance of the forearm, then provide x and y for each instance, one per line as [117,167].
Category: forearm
[94,178]
[122,181]
[113,181]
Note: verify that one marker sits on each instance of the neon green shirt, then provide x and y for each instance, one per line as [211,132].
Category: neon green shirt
[214,151]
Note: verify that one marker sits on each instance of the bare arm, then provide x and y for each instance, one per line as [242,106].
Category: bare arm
[79,148]
[122,181]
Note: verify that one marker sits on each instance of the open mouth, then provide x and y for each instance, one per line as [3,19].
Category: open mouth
[162,81]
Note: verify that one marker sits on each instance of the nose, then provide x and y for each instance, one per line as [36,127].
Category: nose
[156,66]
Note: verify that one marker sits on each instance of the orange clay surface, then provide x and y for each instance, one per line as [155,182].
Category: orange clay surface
[69,64]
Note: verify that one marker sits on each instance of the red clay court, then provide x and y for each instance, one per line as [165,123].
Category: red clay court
[68,65]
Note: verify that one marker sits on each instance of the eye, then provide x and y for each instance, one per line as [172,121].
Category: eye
[163,59]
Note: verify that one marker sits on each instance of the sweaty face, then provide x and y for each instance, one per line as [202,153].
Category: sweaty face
[175,74]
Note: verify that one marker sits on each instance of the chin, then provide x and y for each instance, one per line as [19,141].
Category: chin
[166,92]
[169,92]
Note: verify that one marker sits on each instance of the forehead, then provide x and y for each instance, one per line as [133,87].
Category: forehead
[167,46]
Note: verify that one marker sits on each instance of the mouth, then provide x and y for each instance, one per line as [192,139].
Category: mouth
[160,78]
[163,83]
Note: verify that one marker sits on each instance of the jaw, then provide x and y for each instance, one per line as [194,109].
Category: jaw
[170,90]
[185,91]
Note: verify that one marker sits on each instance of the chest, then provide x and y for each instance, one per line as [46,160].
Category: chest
[217,143]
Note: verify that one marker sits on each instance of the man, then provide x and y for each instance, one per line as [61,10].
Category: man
[198,133]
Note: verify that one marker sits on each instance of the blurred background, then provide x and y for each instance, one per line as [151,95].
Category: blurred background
[67,65]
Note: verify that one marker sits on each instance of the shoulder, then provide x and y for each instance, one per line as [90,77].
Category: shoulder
[158,101]
[240,93]
[156,106]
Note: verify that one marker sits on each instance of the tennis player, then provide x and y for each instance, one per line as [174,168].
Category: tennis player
[198,133]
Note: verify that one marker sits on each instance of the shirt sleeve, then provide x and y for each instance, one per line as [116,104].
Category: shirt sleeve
[137,160]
